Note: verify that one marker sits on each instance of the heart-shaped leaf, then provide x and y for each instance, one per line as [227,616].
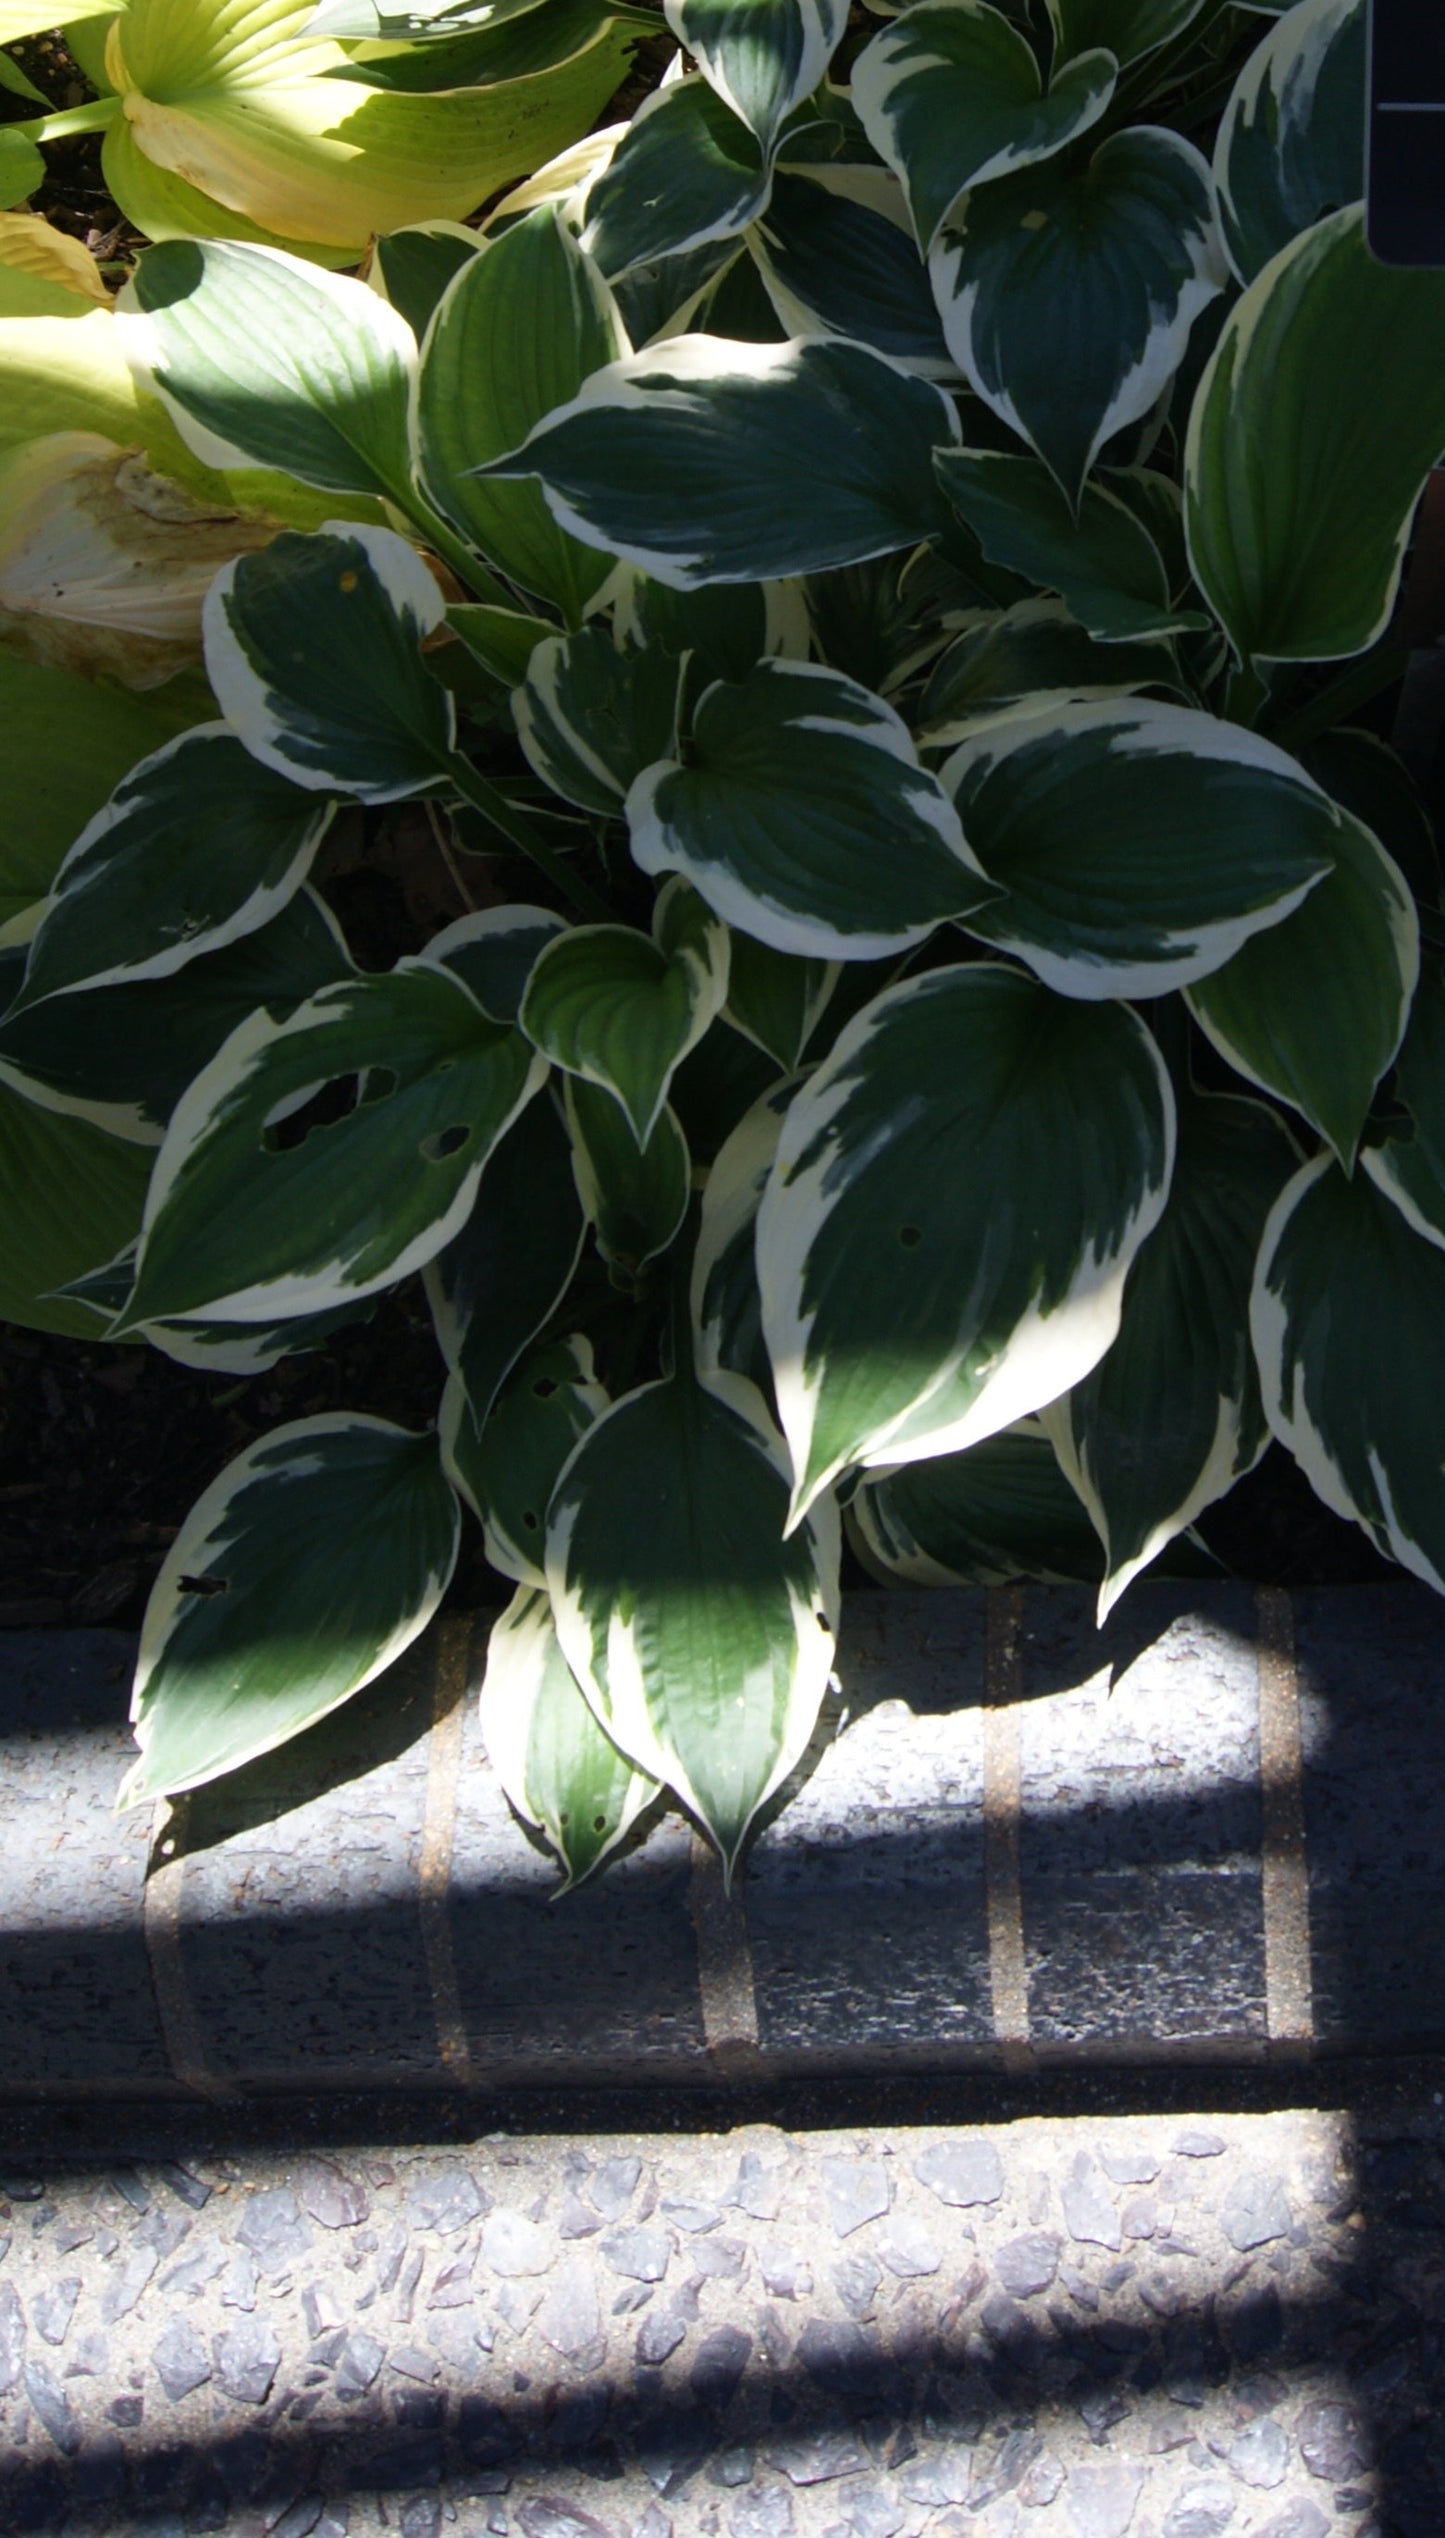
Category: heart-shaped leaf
[685,172]
[835,264]
[561,1773]
[763,59]
[957,1198]
[702,1639]
[506,1461]
[775,998]
[300,1575]
[1291,144]
[1130,28]
[635,1196]
[951,95]
[506,1272]
[621,1010]
[803,817]
[1100,559]
[591,717]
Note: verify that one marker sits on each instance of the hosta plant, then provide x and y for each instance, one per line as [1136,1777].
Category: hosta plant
[875,582]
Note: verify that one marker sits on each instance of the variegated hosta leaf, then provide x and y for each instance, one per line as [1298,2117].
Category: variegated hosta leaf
[590,716]
[1171,1417]
[298,1576]
[622,1009]
[726,626]
[1348,1322]
[494,951]
[65,744]
[1412,1171]
[196,847]
[1291,145]
[635,1197]
[502,639]
[959,1192]
[235,1348]
[1100,559]
[803,817]
[266,361]
[1001,1510]
[775,998]
[70,1195]
[834,265]
[504,1275]
[704,460]
[123,1057]
[314,652]
[1314,1010]
[1031,655]
[1315,426]
[951,95]
[506,1462]
[726,1306]
[1068,292]
[702,1639]
[665,297]
[520,329]
[1137,845]
[763,57]
[1130,28]
[414,268]
[252,1216]
[561,1773]
[685,172]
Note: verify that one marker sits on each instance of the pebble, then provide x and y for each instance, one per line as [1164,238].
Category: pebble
[1259,2455]
[1203,2510]
[1102,2500]
[1256,2212]
[571,2317]
[856,2192]
[445,2202]
[1300,2519]
[909,2248]
[961,2173]
[246,2359]
[765,2512]
[1026,2266]
[53,2408]
[659,2335]
[641,2254]
[1089,2210]
[512,2245]
[759,2189]
[612,2186]
[52,2309]
[547,2516]
[1333,2441]
[273,2229]
[179,2358]
[333,2200]
[857,2279]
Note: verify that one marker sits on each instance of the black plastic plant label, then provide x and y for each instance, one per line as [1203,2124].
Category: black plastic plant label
[1405,155]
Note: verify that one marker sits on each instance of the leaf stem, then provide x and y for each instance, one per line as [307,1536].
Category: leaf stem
[97,116]
[1353,686]
[527,838]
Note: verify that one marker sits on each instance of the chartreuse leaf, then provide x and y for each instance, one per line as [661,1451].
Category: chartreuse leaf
[37,17]
[16,82]
[1032,654]
[836,264]
[1136,845]
[726,1306]
[1313,1011]
[1348,1322]
[29,245]
[803,817]
[959,1192]
[1316,423]
[705,460]
[1101,560]
[1130,28]
[70,1196]
[951,95]
[313,648]
[764,58]
[686,171]
[123,1057]
[590,716]
[22,169]
[1001,1510]
[505,1274]
[635,1197]
[1291,144]
[506,1465]
[197,846]
[775,998]
[1068,292]
[298,1576]
[253,1214]
[266,361]
[493,952]
[561,1773]
[1171,1417]
[519,330]
[701,1637]
[65,743]
[622,1009]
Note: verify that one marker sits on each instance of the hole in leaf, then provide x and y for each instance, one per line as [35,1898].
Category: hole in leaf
[322,1105]
[910,1236]
[544,1387]
[443,1142]
[599,1824]
[529,1519]
[564,1819]
[204,1585]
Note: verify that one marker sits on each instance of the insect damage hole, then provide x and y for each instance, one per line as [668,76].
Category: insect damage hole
[444,1142]
[204,1585]
[910,1236]
[299,1115]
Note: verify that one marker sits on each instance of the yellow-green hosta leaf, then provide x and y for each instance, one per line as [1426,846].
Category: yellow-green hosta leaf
[34,246]
[621,1009]
[951,95]
[301,1574]
[1000,1510]
[1314,1010]
[1171,1417]
[1137,845]
[635,1198]
[256,1212]
[64,746]
[1348,1322]
[763,58]
[591,717]
[70,1197]
[501,1279]
[957,1198]
[505,1461]
[19,18]
[701,1637]
[1068,292]
[197,846]
[561,1773]
[1100,559]
[1291,144]
[802,815]
[1315,426]
[313,649]
[515,335]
